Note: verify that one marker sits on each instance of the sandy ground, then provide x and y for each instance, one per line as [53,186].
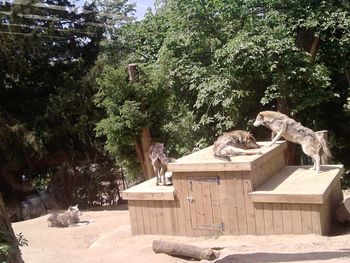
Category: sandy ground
[108,239]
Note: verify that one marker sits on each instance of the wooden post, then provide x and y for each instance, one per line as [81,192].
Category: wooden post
[8,237]
[177,249]
[143,143]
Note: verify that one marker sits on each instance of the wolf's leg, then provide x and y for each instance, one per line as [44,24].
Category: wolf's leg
[234,151]
[279,134]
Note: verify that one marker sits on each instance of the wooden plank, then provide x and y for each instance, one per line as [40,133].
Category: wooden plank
[179,205]
[249,208]
[197,207]
[146,217]
[296,219]
[259,218]
[277,218]
[215,204]
[168,225]
[186,205]
[241,208]
[152,216]
[306,219]
[224,206]
[174,219]
[232,202]
[133,219]
[287,218]
[315,219]
[268,219]
[148,190]
[298,184]
[139,218]
[159,217]
[326,217]
[207,204]
[148,196]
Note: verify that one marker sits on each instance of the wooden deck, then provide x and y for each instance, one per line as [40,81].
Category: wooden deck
[148,190]
[204,160]
[250,195]
[298,184]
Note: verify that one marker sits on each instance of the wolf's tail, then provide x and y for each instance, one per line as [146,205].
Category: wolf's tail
[326,155]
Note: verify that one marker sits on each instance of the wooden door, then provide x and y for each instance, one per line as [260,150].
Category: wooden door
[204,201]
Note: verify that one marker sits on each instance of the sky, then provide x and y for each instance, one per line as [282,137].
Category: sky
[141,7]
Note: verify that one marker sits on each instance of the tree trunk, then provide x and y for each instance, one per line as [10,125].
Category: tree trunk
[8,237]
[146,141]
[176,249]
[142,144]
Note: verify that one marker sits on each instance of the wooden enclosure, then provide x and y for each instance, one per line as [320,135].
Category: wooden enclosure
[251,195]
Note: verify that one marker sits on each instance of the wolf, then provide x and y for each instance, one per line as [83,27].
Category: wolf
[312,143]
[65,219]
[235,143]
[159,162]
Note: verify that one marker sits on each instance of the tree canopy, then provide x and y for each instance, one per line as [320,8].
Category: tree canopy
[212,65]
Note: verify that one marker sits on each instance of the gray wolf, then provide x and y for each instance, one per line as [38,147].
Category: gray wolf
[312,143]
[159,162]
[235,143]
[65,219]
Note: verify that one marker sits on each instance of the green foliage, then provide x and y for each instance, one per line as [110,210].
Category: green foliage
[47,114]
[9,246]
[218,70]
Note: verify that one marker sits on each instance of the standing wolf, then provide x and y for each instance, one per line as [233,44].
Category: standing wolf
[312,143]
[159,161]
[234,143]
[65,219]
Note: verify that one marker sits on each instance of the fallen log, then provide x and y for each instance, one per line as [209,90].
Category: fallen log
[183,250]
[343,211]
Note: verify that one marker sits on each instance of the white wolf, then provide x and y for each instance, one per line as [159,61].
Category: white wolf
[312,143]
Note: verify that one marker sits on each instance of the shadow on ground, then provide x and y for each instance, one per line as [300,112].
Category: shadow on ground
[339,229]
[283,257]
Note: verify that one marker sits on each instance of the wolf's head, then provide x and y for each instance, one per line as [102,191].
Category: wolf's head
[74,210]
[250,141]
[259,120]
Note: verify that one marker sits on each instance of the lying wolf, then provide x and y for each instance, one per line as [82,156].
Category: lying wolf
[65,219]
[234,143]
[312,143]
[159,162]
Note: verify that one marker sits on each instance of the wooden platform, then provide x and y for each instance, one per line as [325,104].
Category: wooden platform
[204,160]
[148,190]
[250,195]
[298,184]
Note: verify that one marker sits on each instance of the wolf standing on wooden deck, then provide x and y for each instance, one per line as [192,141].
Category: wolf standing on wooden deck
[159,161]
[234,143]
[312,143]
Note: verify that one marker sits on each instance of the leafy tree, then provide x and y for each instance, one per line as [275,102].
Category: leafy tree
[46,104]
[217,71]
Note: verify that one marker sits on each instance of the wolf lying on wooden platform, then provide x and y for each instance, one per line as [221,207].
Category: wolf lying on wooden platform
[234,143]
[312,143]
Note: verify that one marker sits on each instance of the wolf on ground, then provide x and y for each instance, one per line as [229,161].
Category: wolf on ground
[235,143]
[68,218]
[312,143]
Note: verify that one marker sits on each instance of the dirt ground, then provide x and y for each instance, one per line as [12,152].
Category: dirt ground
[108,239]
